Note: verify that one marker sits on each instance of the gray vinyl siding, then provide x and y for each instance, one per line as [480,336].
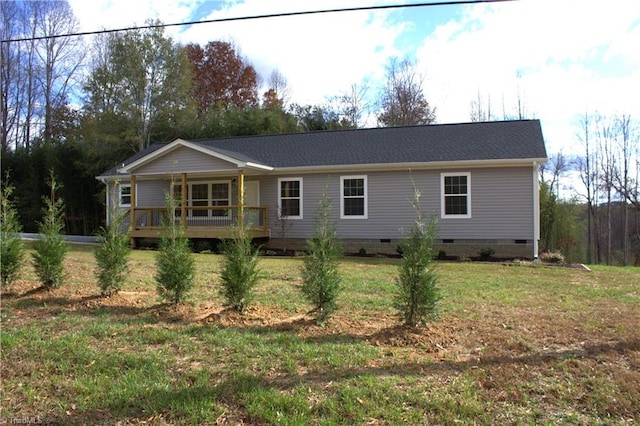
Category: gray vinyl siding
[501,204]
[183,160]
[151,193]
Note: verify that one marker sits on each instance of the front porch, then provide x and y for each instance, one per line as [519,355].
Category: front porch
[207,221]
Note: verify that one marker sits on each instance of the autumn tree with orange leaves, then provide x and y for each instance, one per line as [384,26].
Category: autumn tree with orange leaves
[222,78]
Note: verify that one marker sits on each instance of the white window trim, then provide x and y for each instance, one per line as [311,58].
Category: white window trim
[366,197]
[120,186]
[443,215]
[280,180]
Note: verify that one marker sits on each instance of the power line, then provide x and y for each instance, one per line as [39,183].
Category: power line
[246,18]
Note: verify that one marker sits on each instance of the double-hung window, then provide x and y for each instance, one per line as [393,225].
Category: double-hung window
[353,197]
[125,194]
[199,197]
[456,195]
[290,198]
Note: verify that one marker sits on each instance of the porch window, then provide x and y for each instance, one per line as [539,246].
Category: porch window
[206,194]
[220,197]
[199,198]
[290,198]
[125,194]
[353,197]
[456,195]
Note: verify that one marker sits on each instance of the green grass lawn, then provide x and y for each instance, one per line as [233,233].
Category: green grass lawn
[514,345]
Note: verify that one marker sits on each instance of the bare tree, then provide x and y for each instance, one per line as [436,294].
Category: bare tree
[605,132]
[481,109]
[37,75]
[587,167]
[557,166]
[609,171]
[354,103]
[623,182]
[520,110]
[402,100]
[11,93]
[59,58]
[30,76]
[278,92]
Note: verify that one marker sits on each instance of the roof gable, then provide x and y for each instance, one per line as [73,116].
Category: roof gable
[165,157]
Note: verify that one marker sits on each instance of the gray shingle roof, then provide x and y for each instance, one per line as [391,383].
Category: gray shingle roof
[501,140]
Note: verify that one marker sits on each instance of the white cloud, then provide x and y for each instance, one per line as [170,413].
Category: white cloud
[552,52]
[113,14]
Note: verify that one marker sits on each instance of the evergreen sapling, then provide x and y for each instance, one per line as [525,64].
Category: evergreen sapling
[240,273]
[321,279]
[174,261]
[11,246]
[418,294]
[51,250]
[112,255]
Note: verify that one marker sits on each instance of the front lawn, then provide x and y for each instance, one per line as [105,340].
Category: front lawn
[515,345]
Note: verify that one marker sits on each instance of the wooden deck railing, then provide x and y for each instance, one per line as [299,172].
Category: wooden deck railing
[201,222]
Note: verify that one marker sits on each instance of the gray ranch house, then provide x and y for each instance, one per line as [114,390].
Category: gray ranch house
[479,179]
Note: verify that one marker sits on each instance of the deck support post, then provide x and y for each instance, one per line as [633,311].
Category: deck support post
[183,200]
[240,197]
[132,210]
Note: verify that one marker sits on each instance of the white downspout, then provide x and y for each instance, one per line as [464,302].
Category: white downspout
[536,211]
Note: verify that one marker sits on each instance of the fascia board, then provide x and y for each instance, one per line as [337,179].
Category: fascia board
[258,166]
[415,165]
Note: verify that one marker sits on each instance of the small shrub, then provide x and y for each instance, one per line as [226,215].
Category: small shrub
[441,255]
[174,261]
[418,294]
[11,246]
[486,253]
[362,251]
[321,278]
[464,259]
[552,257]
[112,255]
[50,251]
[240,273]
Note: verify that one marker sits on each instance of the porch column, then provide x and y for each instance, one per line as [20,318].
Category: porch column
[132,219]
[183,200]
[240,196]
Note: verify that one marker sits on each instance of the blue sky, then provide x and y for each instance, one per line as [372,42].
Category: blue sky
[561,57]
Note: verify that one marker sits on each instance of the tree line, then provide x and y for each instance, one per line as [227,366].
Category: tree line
[600,222]
[81,106]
